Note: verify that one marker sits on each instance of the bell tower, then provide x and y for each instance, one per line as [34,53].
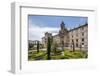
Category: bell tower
[63,35]
[62,25]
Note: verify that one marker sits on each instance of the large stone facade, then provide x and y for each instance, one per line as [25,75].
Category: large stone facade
[77,36]
[44,39]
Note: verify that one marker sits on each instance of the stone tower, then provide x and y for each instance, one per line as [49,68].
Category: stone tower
[62,25]
[63,33]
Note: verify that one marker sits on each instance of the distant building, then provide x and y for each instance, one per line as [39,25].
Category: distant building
[33,44]
[65,37]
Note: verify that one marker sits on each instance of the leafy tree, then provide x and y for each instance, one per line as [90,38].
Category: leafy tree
[48,49]
[37,46]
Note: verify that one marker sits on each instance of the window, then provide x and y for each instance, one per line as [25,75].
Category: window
[82,34]
[82,43]
[72,40]
[82,39]
[76,40]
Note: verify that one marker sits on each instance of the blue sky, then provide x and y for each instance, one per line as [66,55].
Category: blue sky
[39,24]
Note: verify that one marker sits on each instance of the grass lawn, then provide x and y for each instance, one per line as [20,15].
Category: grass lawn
[76,54]
[67,54]
[36,56]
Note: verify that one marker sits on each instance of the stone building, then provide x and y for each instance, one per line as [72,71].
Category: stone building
[79,36]
[56,39]
[63,35]
[44,39]
[67,38]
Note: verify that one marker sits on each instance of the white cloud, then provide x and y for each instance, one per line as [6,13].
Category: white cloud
[37,32]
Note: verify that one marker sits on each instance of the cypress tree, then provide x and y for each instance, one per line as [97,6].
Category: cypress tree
[73,46]
[37,46]
[48,49]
